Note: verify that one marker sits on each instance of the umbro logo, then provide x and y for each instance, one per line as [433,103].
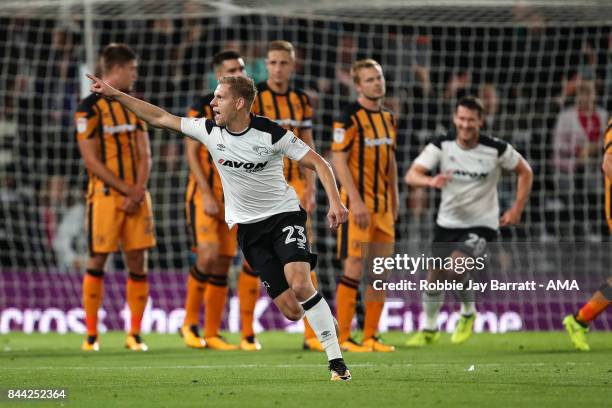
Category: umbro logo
[220,147]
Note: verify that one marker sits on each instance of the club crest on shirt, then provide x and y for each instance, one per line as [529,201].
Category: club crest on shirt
[261,150]
[339,135]
[81,125]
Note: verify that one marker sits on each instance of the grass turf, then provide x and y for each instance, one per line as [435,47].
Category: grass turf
[514,369]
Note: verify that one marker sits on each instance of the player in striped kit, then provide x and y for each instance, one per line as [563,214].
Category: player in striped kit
[114,144]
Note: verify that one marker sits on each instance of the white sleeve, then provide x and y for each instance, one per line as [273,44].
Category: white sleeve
[195,128]
[510,158]
[291,146]
[429,157]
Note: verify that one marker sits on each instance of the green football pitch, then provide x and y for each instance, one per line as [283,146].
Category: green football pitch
[517,369]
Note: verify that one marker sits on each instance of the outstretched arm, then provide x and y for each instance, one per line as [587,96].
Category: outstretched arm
[337,211]
[149,113]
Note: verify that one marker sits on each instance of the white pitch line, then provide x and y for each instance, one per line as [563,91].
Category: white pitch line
[180,367]
[230,366]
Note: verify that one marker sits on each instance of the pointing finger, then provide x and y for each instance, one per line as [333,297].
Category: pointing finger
[93,78]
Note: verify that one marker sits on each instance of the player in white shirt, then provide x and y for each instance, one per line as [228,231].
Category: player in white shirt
[248,152]
[470,165]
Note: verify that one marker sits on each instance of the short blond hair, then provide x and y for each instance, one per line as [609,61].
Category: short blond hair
[241,87]
[281,45]
[362,64]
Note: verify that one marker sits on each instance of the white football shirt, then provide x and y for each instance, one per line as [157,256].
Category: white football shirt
[250,164]
[469,199]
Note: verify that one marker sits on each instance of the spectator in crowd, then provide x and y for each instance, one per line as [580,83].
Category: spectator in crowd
[158,63]
[70,241]
[347,51]
[52,200]
[576,157]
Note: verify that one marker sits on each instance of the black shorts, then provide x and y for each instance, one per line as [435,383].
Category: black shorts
[270,244]
[471,241]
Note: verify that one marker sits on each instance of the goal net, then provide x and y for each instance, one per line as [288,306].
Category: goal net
[529,61]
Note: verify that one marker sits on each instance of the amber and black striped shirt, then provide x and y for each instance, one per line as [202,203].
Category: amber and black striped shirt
[369,138]
[116,129]
[291,110]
